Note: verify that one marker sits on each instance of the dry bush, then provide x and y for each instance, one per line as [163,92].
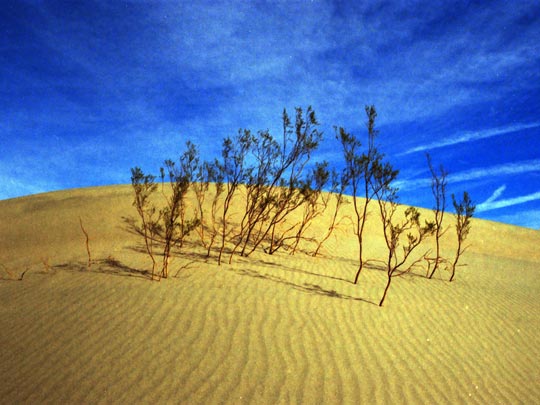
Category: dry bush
[87,244]
[438,189]
[464,212]
[11,275]
[360,170]
[336,192]
[167,226]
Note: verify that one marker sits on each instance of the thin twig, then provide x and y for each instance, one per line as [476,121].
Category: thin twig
[87,244]
[22,274]
[45,262]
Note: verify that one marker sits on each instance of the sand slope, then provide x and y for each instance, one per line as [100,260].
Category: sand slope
[266,329]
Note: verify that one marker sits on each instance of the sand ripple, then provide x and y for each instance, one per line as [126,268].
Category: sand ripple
[280,329]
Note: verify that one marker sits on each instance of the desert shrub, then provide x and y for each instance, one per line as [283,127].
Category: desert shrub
[176,226]
[143,187]
[274,182]
[314,206]
[232,169]
[264,150]
[438,189]
[167,225]
[215,176]
[337,189]
[200,184]
[407,233]
[464,212]
[359,175]
[279,179]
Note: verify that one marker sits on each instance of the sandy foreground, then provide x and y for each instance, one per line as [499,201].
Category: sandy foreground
[266,329]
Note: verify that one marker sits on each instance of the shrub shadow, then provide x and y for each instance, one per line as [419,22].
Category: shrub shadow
[306,287]
[297,270]
[110,266]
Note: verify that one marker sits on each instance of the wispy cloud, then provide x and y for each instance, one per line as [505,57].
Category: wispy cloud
[98,87]
[473,136]
[491,205]
[323,53]
[496,194]
[499,170]
[478,173]
[330,55]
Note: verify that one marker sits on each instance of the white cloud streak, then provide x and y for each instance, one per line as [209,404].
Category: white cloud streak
[494,171]
[507,169]
[315,52]
[119,63]
[491,205]
[473,136]
[496,194]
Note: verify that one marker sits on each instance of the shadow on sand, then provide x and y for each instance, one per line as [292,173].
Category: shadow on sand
[109,266]
[305,287]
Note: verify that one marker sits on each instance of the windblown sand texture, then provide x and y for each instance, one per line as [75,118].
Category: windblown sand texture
[264,330]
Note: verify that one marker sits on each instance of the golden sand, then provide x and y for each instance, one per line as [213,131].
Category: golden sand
[266,329]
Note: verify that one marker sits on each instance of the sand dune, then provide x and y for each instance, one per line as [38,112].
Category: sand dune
[266,329]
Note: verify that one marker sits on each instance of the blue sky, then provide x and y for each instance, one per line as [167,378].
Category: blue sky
[91,89]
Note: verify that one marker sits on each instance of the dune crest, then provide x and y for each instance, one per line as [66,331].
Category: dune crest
[266,329]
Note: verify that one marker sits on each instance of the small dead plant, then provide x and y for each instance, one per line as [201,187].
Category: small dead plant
[87,243]
[11,275]
[46,264]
